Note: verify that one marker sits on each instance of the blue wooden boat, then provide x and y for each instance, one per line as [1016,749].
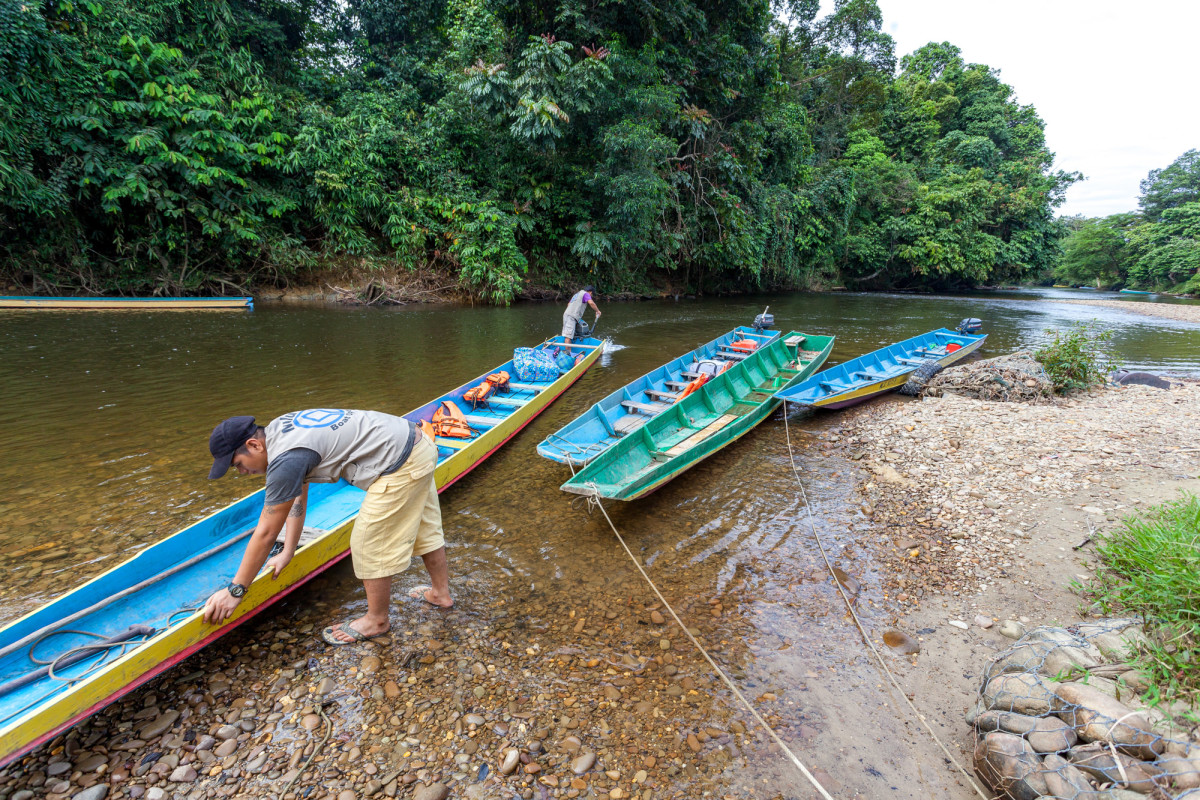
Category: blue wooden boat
[144,615]
[1134,291]
[639,401]
[882,370]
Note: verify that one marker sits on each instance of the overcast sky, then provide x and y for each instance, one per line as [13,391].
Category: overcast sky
[1115,82]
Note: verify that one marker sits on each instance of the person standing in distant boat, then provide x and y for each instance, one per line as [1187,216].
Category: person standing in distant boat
[575,309]
[400,515]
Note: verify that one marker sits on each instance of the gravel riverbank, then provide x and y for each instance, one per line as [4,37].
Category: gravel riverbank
[1176,311]
[985,512]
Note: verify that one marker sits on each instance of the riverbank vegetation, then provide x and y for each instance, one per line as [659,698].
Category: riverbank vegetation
[1157,247]
[176,146]
[1077,358]
[1151,567]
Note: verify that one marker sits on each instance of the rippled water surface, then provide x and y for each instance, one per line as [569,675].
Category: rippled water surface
[109,415]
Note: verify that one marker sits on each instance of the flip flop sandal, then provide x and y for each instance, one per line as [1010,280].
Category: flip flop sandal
[329,637]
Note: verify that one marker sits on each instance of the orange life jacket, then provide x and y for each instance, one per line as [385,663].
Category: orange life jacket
[499,380]
[745,345]
[950,348]
[449,420]
[427,428]
[478,395]
[691,387]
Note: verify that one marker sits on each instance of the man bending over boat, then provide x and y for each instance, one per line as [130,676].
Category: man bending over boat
[574,312]
[400,515]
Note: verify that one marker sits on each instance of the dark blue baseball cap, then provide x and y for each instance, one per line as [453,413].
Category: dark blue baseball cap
[225,440]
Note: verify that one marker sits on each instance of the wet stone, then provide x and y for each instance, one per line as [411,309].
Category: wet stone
[370,664]
[326,686]
[583,763]
[183,774]
[97,792]
[58,768]
[434,791]
[91,763]
[509,763]
[571,744]
[310,722]
[228,732]
[226,748]
[473,719]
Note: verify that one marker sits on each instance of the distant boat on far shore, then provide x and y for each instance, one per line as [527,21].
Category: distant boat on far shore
[127,303]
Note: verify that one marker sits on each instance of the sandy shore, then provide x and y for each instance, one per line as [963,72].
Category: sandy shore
[1176,311]
[986,512]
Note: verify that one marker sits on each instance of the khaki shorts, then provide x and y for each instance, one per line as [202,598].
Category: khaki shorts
[568,330]
[400,517]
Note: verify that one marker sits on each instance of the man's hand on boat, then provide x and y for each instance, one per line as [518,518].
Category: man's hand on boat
[220,607]
[277,562]
[221,604]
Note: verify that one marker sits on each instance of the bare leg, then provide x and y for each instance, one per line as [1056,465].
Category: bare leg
[379,600]
[439,574]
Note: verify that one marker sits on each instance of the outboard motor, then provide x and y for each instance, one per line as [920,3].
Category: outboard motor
[764,321]
[582,330]
[970,325]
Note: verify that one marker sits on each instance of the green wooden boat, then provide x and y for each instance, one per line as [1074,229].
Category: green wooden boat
[701,423]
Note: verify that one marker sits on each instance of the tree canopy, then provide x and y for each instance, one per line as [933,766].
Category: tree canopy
[711,145]
[1158,248]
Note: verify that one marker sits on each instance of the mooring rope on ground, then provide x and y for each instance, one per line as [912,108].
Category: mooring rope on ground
[858,623]
[594,499]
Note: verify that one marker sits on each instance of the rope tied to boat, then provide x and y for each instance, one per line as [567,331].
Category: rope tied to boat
[593,499]
[858,623]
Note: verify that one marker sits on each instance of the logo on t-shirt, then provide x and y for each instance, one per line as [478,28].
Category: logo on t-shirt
[332,418]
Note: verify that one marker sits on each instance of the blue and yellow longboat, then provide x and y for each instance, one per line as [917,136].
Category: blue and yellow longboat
[126,303]
[881,370]
[148,608]
[639,401]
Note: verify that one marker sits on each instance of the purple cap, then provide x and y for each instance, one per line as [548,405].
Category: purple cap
[225,440]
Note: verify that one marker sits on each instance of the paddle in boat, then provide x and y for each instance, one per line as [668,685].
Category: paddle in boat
[127,303]
[885,369]
[633,405]
[728,396]
[144,616]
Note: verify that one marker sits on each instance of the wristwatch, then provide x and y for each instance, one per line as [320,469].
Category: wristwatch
[236,589]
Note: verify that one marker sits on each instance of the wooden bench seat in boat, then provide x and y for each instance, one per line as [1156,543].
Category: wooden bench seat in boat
[669,396]
[453,444]
[627,423]
[507,401]
[732,355]
[489,422]
[677,385]
[795,341]
[524,387]
[692,375]
[645,408]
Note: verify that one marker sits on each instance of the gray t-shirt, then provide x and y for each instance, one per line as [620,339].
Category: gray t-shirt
[286,474]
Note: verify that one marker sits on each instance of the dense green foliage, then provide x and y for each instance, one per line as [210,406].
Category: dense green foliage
[172,145]
[1076,358]
[1158,248]
[1150,566]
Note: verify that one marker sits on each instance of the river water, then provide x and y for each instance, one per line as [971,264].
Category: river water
[106,451]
